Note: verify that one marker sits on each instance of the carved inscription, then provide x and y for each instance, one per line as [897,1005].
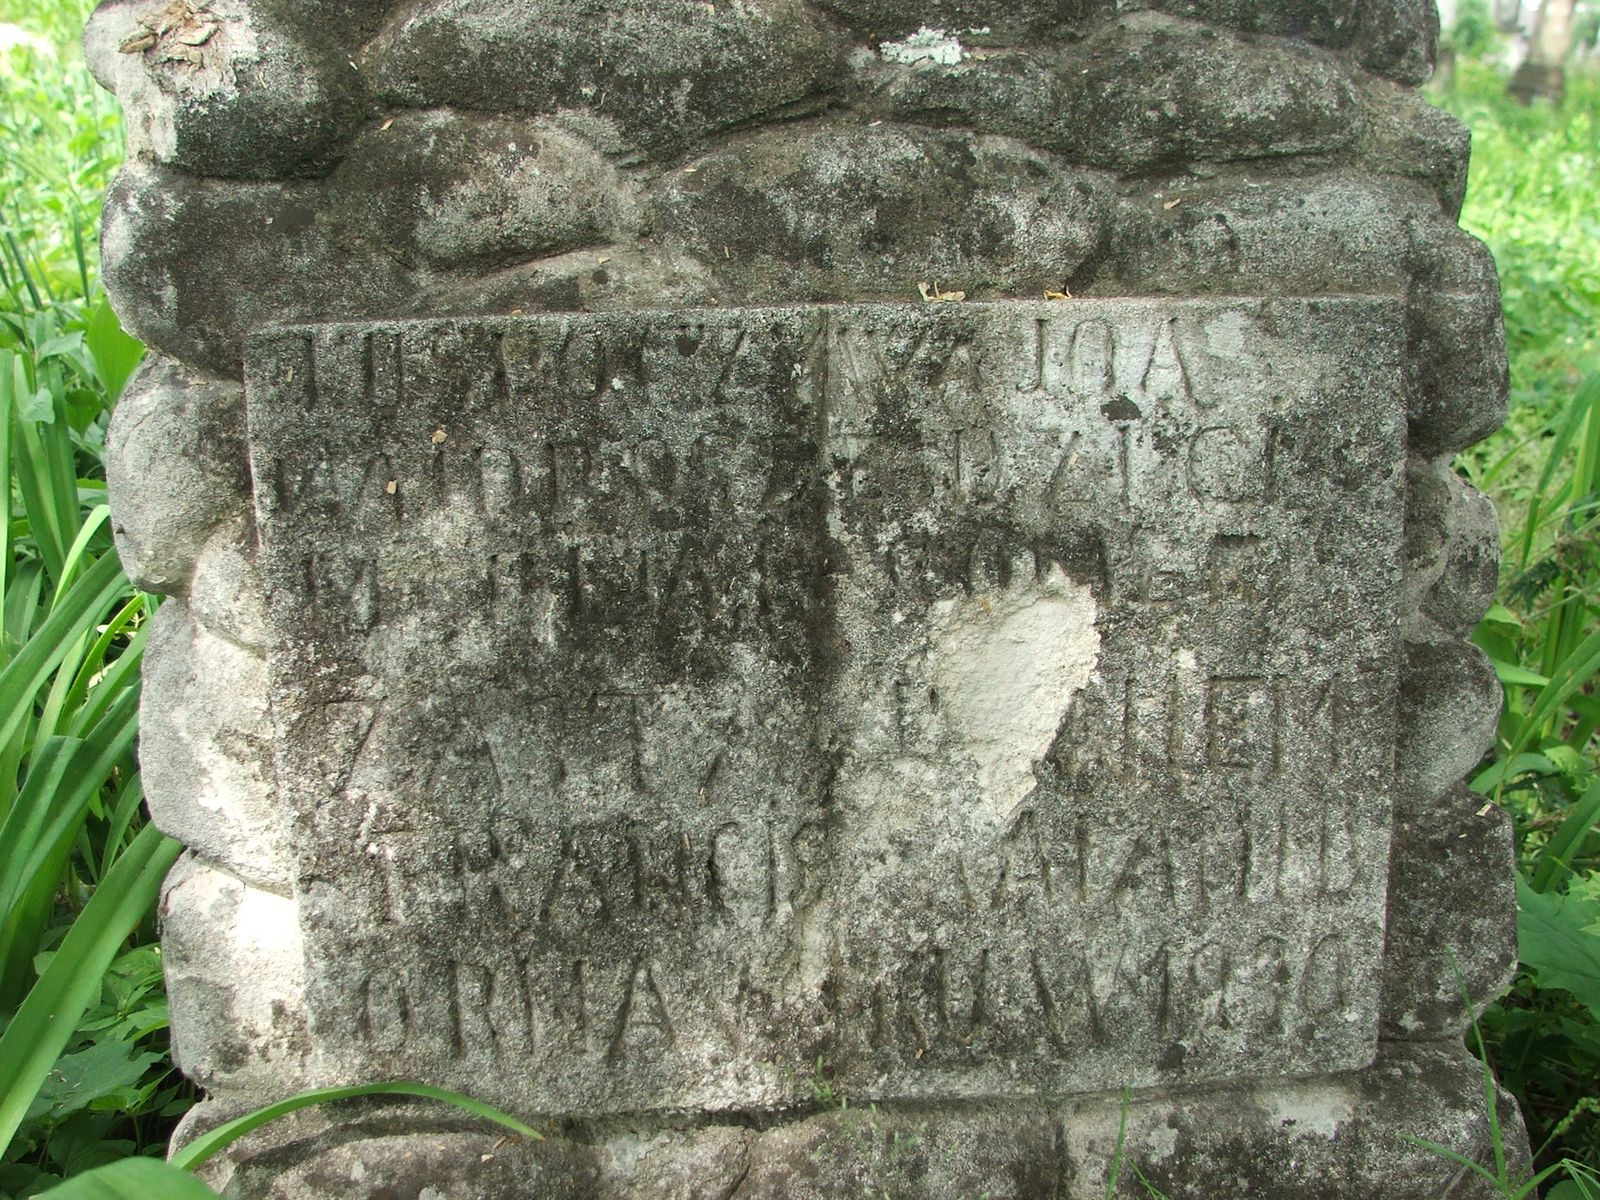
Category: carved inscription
[994,700]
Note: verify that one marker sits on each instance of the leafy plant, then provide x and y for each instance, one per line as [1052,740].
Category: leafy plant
[1533,178]
[85,1077]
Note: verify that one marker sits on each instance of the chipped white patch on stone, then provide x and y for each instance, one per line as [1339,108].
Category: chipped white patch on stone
[925,45]
[235,964]
[1006,668]
[1321,1112]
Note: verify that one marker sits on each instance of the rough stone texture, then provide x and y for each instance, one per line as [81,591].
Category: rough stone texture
[1452,915]
[176,461]
[1008,501]
[1004,703]
[223,88]
[235,971]
[662,76]
[206,741]
[800,215]
[1325,1139]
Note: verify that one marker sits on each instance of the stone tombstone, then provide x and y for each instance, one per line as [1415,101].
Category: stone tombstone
[816,597]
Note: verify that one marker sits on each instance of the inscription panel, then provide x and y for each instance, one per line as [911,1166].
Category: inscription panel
[990,700]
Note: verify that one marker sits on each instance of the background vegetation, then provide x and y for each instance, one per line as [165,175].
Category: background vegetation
[85,1077]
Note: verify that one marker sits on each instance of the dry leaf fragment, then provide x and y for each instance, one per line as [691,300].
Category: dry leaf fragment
[1172,204]
[387,123]
[873,124]
[1061,295]
[393,486]
[439,437]
[1486,809]
[934,294]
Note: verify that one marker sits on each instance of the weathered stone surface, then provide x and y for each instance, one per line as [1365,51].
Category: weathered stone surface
[207,741]
[1326,1139]
[1322,1139]
[175,290]
[1459,357]
[1150,90]
[772,542]
[413,1166]
[1408,136]
[1398,38]
[665,74]
[694,715]
[225,594]
[1143,91]
[235,973]
[224,89]
[1449,703]
[846,211]
[1452,940]
[1339,232]
[450,189]
[1395,38]
[1452,553]
[1466,585]
[176,468]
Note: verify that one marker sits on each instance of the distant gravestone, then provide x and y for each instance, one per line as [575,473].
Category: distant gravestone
[809,596]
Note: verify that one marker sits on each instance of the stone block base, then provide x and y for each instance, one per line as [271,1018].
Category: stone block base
[1337,1136]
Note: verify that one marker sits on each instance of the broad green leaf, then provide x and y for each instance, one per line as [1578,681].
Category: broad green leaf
[218,1139]
[1581,1184]
[1509,768]
[38,406]
[1552,941]
[1511,674]
[60,344]
[132,1179]
[77,1080]
[1499,614]
[43,1025]
[115,353]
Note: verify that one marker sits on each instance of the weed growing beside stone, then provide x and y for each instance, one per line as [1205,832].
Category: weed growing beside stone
[1535,174]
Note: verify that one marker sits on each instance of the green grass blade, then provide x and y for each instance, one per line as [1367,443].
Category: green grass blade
[8,404]
[1559,852]
[97,684]
[1492,776]
[1115,1175]
[79,611]
[1574,671]
[73,561]
[218,1139]
[132,1179]
[1455,1156]
[44,462]
[128,802]
[52,805]
[1544,495]
[24,896]
[45,1022]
